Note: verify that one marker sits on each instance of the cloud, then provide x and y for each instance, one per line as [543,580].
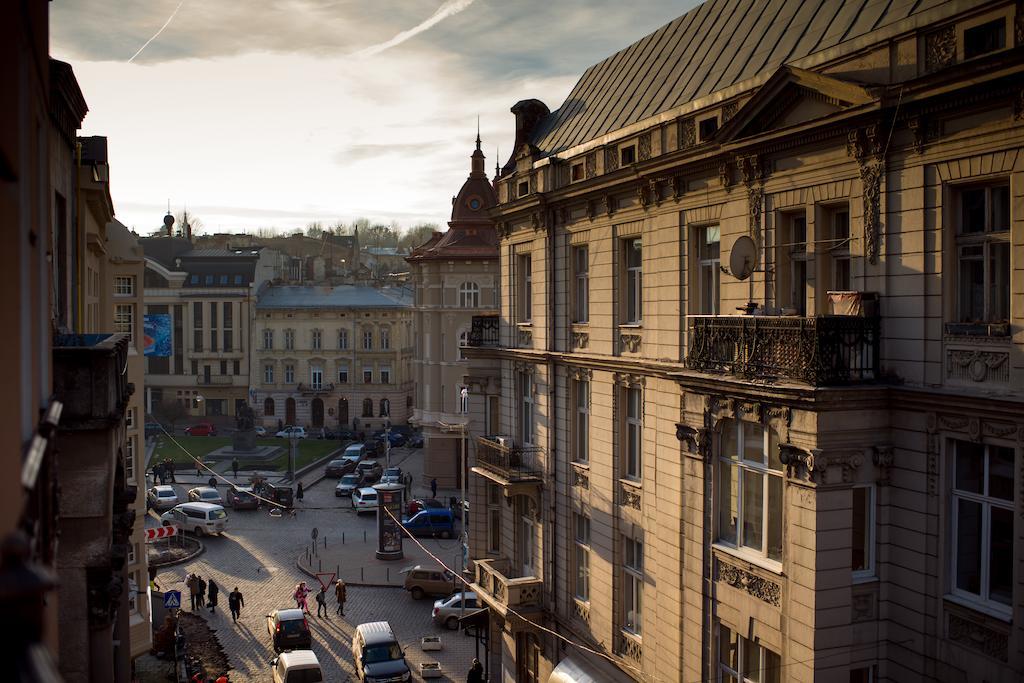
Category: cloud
[157,34]
[355,153]
[447,9]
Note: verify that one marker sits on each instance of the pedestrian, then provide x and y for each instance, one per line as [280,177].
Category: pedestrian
[301,591]
[236,602]
[407,480]
[192,581]
[476,672]
[339,593]
[199,470]
[321,603]
[202,592]
[212,591]
[452,503]
[169,466]
[298,492]
[433,488]
[212,482]
[234,466]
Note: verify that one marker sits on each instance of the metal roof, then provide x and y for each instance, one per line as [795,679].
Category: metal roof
[713,46]
[340,296]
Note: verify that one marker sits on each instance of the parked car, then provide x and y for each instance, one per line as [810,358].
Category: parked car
[290,432]
[154,429]
[345,435]
[392,475]
[242,498]
[418,504]
[448,610]
[202,518]
[162,497]
[282,495]
[364,500]
[421,581]
[323,433]
[370,470]
[288,630]
[260,430]
[205,494]
[347,484]
[377,653]
[396,438]
[339,467]
[202,429]
[297,666]
[415,441]
[432,522]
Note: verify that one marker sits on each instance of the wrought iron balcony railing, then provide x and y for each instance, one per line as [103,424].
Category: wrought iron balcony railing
[214,380]
[316,388]
[484,331]
[514,463]
[821,351]
[496,580]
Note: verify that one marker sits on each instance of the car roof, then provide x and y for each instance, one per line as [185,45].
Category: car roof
[163,487]
[376,632]
[289,614]
[201,506]
[369,463]
[367,490]
[204,489]
[295,659]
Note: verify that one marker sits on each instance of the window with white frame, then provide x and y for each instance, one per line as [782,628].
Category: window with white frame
[132,554]
[983,254]
[633,294]
[385,407]
[367,407]
[289,373]
[463,344]
[316,377]
[524,270]
[862,554]
[839,248]
[745,661]
[581,284]
[268,374]
[709,272]
[632,585]
[367,374]
[124,320]
[462,400]
[385,374]
[581,529]
[268,339]
[343,373]
[982,520]
[632,459]
[526,408]
[385,337]
[129,418]
[469,295]
[581,433]
[124,285]
[367,339]
[289,340]
[133,593]
[793,260]
[317,340]
[342,339]
[129,458]
[749,491]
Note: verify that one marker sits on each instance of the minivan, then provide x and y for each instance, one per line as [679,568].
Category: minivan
[299,666]
[364,500]
[431,522]
[377,654]
[203,518]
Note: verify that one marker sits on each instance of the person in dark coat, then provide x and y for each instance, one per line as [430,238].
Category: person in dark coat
[212,591]
[193,590]
[201,599]
[433,488]
[236,602]
[321,603]
[298,492]
[234,466]
[476,672]
[169,467]
[339,593]
[212,482]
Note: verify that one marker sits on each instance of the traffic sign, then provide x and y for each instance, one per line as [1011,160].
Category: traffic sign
[172,600]
[159,532]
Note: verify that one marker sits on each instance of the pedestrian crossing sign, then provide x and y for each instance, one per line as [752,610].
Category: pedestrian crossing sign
[172,600]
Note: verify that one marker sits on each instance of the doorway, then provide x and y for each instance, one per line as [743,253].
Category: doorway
[318,412]
[289,411]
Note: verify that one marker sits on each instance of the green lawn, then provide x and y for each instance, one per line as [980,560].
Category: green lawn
[200,446]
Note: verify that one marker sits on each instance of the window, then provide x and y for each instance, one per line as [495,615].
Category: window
[194,279]
[983,254]
[129,418]
[838,246]
[982,516]
[525,268]
[582,557]
[709,239]
[526,408]
[581,282]
[343,339]
[750,489]
[385,374]
[268,407]
[385,338]
[289,340]
[208,279]
[632,457]
[463,344]
[634,280]
[129,458]
[367,407]
[367,374]
[493,518]
[862,557]
[195,367]
[124,320]
[223,367]
[229,322]
[316,377]
[289,373]
[581,433]
[317,339]
[268,374]
[469,295]
[268,339]
[633,585]
[524,188]
[343,374]
[124,285]
[627,155]
[236,367]
[577,172]
[238,279]
[707,128]
[385,407]
[745,661]
[980,40]
[865,674]
[367,339]
[793,258]
[462,400]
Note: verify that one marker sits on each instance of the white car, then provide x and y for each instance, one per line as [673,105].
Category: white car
[448,610]
[205,494]
[202,518]
[297,665]
[364,500]
[162,497]
[260,430]
[292,433]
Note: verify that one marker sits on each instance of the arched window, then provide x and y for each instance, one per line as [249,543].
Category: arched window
[469,295]
[268,407]
[367,407]
[385,407]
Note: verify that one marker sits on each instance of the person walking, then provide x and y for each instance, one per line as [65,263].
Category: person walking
[212,482]
[212,591]
[298,492]
[407,480]
[199,468]
[339,593]
[433,488]
[169,467]
[301,592]
[321,603]
[192,581]
[235,603]
[234,466]
[202,592]
[476,672]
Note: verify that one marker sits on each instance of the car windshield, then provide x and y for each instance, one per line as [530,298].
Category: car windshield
[349,479]
[336,463]
[392,471]
[369,496]
[293,627]
[218,514]
[211,494]
[382,653]
[165,494]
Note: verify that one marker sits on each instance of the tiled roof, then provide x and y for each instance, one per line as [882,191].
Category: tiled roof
[341,296]
[713,46]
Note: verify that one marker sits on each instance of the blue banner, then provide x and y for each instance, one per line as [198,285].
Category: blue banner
[156,330]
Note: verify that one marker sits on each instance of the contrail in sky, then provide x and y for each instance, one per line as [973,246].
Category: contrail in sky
[447,9]
[169,19]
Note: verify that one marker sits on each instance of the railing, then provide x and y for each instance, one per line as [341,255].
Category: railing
[90,378]
[204,381]
[515,463]
[820,351]
[315,388]
[484,331]
[496,579]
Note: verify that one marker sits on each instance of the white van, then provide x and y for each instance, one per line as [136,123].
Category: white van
[364,500]
[377,653]
[297,666]
[202,518]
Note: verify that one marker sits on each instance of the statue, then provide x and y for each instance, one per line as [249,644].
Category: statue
[245,420]
[245,438]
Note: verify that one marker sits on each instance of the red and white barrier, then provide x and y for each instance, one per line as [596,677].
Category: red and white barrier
[159,532]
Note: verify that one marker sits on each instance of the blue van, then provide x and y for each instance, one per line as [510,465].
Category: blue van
[431,522]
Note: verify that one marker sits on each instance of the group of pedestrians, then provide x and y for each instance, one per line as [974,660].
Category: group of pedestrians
[301,597]
[205,594]
[164,471]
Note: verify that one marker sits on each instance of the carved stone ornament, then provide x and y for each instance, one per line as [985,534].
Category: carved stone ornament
[865,145]
[940,48]
[848,462]
[925,129]
[611,159]
[687,434]
[580,374]
[748,582]
[978,637]
[729,111]
[801,463]
[624,379]
[536,221]
[609,204]
[977,365]
[644,147]
[591,209]
[863,607]
[725,175]
[523,366]
[882,457]
[643,193]
[562,215]
[687,133]
[580,478]
[630,342]
[504,229]
[580,340]
[525,338]
[590,165]
[629,497]
[678,186]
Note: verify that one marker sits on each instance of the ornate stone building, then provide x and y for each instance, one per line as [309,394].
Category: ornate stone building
[332,357]
[762,359]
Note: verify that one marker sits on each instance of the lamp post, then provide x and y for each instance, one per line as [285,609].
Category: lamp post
[387,443]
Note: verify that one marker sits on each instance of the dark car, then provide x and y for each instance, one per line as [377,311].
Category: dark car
[325,433]
[396,438]
[345,435]
[370,470]
[202,429]
[431,522]
[288,630]
[339,467]
[415,441]
[242,498]
[282,495]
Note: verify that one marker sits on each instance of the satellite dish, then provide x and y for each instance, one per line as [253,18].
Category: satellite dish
[743,258]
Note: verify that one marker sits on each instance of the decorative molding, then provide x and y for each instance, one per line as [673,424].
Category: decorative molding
[609,204]
[630,342]
[749,411]
[882,457]
[629,496]
[865,145]
[504,229]
[581,611]
[725,175]
[643,151]
[581,478]
[537,221]
[678,186]
[591,209]
[687,133]
[561,215]
[629,647]
[848,462]
[976,365]
[580,374]
[977,636]
[624,379]
[729,111]
[925,129]
[940,48]
[862,607]
[752,584]
[580,340]
[611,159]
[590,165]
[802,463]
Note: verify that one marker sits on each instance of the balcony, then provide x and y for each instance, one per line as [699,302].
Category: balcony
[315,388]
[484,332]
[90,379]
[820,351]
[504,589]
[214,380]
[511,463]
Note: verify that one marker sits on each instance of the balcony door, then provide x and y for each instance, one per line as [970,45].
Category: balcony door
[527,545]
[289,411]
[317,406]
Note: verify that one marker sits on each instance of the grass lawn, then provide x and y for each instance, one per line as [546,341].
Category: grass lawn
[200,446]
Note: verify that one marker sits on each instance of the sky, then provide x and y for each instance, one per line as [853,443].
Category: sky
[278,113]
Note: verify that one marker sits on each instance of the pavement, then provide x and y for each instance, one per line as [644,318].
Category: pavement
[260,554]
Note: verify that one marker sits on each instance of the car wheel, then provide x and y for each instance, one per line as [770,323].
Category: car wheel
[199,531]
[446,534]
[417,593]
[452,623]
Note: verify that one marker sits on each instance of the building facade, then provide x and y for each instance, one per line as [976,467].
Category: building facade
[455,277]
[761,354]
[332,357]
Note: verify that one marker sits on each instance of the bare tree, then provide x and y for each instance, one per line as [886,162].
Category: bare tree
[417,235]
[172,411]
[315,230]
[191,219]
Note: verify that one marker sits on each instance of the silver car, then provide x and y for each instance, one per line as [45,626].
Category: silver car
[347,484]
[205,494]
[162,497]
[448,610]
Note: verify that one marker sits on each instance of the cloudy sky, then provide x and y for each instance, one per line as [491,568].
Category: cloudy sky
[276,113]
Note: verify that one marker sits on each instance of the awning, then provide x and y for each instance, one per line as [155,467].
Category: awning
[594,669]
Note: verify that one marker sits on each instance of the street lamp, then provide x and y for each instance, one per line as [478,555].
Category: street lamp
[460,428]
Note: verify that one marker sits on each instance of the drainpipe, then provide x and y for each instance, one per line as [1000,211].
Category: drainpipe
[551,346]
[77,280]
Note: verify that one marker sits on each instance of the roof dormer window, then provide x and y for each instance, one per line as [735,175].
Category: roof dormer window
[627,155]
[524,188]
[577,172]
[707,128]
[986,38]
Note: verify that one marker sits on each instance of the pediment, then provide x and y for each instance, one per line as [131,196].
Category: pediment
[792,97]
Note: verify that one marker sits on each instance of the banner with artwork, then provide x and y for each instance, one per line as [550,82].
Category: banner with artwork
[156,328]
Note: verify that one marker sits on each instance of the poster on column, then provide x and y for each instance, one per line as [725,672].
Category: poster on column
[156,330]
